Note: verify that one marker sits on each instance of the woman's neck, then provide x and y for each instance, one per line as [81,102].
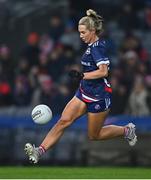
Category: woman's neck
[94,39]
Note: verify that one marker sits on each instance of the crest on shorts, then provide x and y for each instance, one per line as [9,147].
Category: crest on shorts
[97,106]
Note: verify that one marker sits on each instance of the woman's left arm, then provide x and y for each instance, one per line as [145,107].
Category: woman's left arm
[99,73]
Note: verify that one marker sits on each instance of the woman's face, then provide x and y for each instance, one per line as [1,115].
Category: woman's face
[86,35]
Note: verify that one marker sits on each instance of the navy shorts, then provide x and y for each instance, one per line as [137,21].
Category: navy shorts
[95,105]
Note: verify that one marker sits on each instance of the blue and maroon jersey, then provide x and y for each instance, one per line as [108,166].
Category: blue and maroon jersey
[96,89]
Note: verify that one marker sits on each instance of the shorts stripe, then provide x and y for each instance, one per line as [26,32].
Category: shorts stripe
[89,98]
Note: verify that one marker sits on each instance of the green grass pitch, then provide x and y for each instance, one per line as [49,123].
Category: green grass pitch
[74,173]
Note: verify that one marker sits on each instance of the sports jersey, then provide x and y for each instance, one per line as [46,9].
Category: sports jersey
[95,90]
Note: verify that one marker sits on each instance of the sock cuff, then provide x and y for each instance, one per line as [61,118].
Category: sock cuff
[125,131]
[41,147]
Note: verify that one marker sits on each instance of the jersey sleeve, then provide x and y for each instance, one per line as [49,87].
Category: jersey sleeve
[99,55]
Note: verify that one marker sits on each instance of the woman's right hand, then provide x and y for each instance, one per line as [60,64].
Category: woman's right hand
[74,74]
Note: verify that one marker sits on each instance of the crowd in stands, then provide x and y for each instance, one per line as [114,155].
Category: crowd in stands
[40,74]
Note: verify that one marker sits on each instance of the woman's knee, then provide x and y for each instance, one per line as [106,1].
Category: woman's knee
[64,122]
[93,136]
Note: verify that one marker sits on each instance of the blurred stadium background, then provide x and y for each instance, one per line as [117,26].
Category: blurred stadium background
[39,45]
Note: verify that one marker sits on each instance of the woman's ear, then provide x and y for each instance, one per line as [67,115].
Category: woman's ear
[93,31]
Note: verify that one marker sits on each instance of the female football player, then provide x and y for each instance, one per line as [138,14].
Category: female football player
[93,95]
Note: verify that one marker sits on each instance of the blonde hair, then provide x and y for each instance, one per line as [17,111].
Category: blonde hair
[92,21]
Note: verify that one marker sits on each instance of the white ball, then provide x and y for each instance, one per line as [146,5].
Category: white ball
[41,114]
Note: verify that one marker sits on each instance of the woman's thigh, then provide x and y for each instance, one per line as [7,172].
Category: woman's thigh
[96,121]
[74,109]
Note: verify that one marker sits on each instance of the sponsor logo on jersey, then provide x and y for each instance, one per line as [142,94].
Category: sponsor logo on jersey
[86,63]
[88,51]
